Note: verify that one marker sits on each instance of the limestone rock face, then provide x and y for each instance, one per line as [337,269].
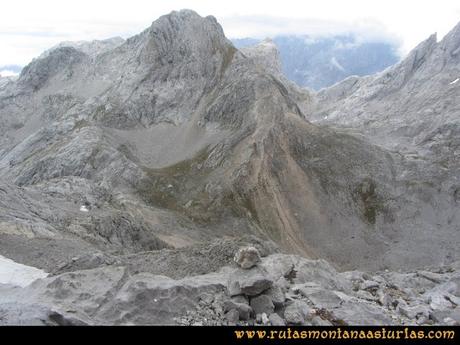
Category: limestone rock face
[411,109]
[132,169]
[266,55]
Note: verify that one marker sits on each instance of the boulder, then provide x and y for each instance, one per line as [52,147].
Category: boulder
[320,297]
[317,321]
[247,257]
[361,314]
[276,320]
[244,310]
[297,312]
[262,304]
[276,295]
[16,314]
[250,282]
[232,316]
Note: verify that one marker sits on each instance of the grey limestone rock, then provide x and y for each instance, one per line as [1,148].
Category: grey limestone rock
[276,295]
[134,170]
[232,316]
[262,304]
[247,257]
[244,310]
[297,312]
[276,320]
[249,282]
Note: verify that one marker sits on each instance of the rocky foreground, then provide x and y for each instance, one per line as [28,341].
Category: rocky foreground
[276,289]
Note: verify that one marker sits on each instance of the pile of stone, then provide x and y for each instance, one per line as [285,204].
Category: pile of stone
[287,290]
[258,298]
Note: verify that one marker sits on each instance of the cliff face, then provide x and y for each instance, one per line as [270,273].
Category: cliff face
[411,110]
[174,137]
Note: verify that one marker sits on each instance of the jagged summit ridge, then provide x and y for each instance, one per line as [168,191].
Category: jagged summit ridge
[91,48]
[178,59]
[180,35]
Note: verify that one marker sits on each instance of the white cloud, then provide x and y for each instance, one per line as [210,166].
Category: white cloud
[262,26]
[337,65]
[29,26]
[7,73]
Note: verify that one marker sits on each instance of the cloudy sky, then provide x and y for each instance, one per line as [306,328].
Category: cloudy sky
[29,27]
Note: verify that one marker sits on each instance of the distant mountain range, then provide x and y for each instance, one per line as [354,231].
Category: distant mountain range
[315,63]
[322,62]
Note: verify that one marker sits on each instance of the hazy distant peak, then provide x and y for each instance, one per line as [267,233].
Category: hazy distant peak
[91,48]
[323,61]
[265,54]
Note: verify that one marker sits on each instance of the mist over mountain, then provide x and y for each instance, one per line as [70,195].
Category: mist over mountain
[172,178]
[321,62]
[9,70]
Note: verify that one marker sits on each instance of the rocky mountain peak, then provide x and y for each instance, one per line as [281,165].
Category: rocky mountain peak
[183,35]
[59,60]
[451,43]
[266,55]
[91,48]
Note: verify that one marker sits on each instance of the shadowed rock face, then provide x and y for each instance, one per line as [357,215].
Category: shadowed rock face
[174,137]
[411,110]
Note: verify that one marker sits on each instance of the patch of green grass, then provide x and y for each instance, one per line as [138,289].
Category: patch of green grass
[80,124]
[173,186]
[181,168]
[369,200]
[240,205]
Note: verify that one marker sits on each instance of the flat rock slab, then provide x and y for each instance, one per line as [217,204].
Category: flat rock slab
[250,282]
[361,314]
[147,299]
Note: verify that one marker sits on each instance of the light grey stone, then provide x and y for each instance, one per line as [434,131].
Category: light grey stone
[244,310]
[247,257]
[276,320]
[249,282]
[232,316]
[276,295]
[297,313]
[317,321]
